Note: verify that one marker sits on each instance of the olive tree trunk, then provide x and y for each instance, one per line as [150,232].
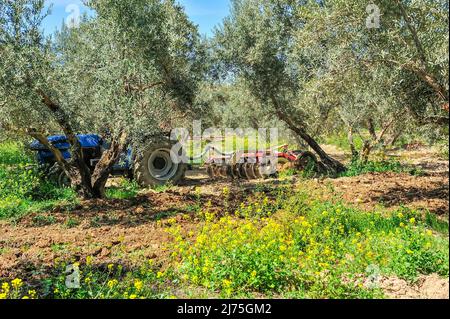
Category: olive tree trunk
[87,184]
[331,164]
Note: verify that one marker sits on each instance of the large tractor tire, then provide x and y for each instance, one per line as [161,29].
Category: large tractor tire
[154,166]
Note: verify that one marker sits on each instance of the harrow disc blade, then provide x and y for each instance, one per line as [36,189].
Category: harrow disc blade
[235,171]
[257,171]
[216,170]
[224,171]
[241,171]
[249,171]
[210,171]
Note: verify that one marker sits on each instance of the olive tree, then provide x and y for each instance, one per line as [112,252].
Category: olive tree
[128,72]
[360,65]
[255,43]
[382,64]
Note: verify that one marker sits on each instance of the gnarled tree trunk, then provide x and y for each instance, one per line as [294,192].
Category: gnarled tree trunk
[331,163]
[87,184]
[107,161]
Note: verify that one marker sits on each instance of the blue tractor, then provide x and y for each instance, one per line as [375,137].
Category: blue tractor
[153,166]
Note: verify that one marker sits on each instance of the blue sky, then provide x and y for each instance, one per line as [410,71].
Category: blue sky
[205,13]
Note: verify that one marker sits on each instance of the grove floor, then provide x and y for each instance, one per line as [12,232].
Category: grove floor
[129,231]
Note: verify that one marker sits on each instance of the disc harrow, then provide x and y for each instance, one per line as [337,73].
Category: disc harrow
[258,164]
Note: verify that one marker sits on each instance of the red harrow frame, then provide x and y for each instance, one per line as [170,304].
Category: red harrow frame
[258,164]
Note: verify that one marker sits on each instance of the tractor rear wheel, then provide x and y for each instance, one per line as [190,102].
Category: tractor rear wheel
[155,167]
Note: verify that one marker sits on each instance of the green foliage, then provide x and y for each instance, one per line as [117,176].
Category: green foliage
[320,65]
[110,282]
[443,148]
[125,190]
[162,188]
[71,223]
[13,154]
[307,249]
[358,168]
[41,220]
[341,141]
[23,188]
[93,78]
[285,246]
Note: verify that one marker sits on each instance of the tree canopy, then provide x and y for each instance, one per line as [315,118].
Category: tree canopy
[129,71]
[316,64]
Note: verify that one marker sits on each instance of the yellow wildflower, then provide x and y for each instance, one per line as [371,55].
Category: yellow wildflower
[5,287]
[227,283]
[138,284]
[112,283]
[17,283]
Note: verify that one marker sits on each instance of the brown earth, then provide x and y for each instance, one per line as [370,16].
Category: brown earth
[392,190]
[130,231]
[427,287]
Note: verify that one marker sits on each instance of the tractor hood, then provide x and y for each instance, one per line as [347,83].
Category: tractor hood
[61,143]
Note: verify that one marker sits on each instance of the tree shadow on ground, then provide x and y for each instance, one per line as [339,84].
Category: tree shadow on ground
[404,195]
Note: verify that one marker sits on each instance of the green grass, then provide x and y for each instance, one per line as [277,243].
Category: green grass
[341,141]
[14,154]
[125,190]
[307,249]
[443,149]
[279,243]
[357,167]
[22,186]
[287,246]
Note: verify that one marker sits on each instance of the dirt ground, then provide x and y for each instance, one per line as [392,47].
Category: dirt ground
[129,231]
[427,287]
[392,190]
